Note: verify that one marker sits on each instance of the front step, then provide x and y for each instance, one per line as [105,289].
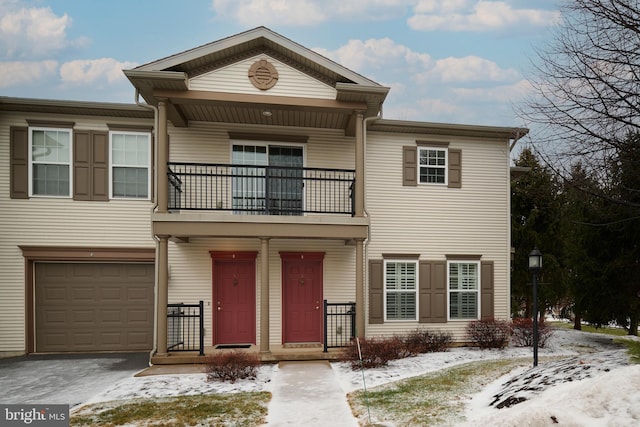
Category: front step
[284,354]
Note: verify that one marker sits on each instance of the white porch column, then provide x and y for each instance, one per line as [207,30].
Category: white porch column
[360,317]
[163,294]
[264,295]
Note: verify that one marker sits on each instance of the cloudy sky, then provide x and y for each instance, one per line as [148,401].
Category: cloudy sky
[456,61]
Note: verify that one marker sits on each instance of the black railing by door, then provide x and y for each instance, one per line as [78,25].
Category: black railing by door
[185,327]
[339,324]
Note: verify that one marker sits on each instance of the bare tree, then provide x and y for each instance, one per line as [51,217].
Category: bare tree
[587,86]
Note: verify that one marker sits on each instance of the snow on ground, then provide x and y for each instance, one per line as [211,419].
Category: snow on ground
[587,383]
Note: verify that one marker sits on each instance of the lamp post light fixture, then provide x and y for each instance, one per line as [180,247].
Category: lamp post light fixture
[535,265]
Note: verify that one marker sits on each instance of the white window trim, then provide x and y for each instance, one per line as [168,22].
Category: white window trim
[478,291]
[384,287]
[111,165]
[70,163]
[445,167]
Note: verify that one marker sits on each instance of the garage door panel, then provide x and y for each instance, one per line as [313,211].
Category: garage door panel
[83,317]
[109,317]
[138,293]
[138,338]
[56,294]
[83,294]
[111,295]
[112,339]
[138,317]
[94,307]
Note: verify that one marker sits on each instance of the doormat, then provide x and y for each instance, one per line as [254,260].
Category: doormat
[227,346]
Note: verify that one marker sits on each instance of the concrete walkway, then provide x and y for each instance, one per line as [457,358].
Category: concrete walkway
[308,394]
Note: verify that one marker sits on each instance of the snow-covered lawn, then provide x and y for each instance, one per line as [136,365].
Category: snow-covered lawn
[582,380]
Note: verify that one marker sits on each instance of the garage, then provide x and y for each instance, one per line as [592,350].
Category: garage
[82,307]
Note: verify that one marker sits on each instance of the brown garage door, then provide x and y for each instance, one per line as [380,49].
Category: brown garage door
[94,307]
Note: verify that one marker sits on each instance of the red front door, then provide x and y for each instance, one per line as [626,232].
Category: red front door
[234,301]
[302,297]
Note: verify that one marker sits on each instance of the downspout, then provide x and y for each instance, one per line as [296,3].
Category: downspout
[366,214]
[153,236]
[516,138]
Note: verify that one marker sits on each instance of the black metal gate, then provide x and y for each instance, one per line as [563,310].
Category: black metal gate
[339,324]
[185,327]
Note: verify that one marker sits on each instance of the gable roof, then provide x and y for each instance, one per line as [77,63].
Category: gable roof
[169,77]
[210,56]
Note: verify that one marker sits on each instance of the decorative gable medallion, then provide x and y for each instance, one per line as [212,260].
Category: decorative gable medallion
[263,75]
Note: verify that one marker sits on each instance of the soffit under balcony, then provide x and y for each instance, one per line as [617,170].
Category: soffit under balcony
[194,86]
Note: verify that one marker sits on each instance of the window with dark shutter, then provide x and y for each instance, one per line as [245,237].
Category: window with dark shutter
[430,169]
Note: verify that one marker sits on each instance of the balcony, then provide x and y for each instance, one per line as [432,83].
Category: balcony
[245,201]
[260,190]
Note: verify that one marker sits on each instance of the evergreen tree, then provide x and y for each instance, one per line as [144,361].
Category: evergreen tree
[536,221]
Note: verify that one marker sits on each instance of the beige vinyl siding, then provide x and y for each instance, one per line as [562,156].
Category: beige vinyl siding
[55,222]
[234,79]
[434,220]
[209,143]
[191,280]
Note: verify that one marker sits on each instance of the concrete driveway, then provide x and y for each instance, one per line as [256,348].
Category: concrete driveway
[64,379]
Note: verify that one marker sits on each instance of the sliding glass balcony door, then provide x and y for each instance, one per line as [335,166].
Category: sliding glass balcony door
[268,179]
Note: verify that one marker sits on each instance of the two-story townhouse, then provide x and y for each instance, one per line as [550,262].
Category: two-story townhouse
[259,177]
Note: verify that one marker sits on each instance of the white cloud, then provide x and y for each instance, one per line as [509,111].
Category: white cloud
[90,71]
[32,32]
[466,15]
[23,73]
[467,69]
[307,12]
[378,54]
[501,93]
[270,12]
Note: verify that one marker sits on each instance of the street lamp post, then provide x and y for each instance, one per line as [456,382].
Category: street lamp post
[535,265]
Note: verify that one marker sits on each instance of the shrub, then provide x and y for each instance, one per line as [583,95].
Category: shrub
[376,352]
[424,341]
[489,333]
[231,366]
[522,332]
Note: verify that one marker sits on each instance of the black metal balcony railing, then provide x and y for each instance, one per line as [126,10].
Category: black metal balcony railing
[260,190]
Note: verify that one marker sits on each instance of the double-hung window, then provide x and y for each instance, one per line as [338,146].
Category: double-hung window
[432,165]
[130,164]
[464,290]
[50,157]
[401,290]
